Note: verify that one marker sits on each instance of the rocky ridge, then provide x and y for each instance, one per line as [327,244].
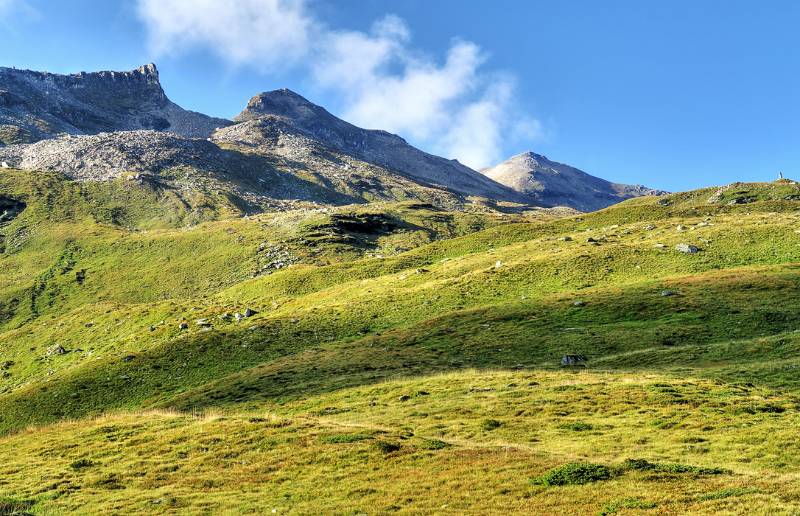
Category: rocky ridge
[284,112]
[40,105]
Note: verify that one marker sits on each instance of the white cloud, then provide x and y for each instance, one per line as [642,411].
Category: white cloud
[261,33]
[451,107]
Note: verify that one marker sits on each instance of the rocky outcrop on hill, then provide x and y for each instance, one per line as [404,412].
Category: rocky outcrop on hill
[39,105]
[550,183]
[315,176]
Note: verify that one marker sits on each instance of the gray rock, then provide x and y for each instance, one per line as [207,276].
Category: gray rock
[687,248]
[56,349]
[249,312]
[183,326]
[579,303]
[202,322]
[573,360]
[668,293]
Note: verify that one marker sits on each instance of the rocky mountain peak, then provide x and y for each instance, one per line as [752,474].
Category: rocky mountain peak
[555,184]
[39,105]
[295,108]
[272,115]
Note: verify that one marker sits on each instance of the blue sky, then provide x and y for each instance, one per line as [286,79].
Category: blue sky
[674,95]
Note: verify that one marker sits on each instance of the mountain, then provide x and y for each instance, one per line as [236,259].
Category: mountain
[272,118]
[89,127]
[549,183]
[39,105]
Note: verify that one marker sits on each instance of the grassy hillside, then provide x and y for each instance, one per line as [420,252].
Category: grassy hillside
[388,339]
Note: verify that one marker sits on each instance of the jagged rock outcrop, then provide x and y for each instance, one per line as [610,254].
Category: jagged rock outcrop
[550,183]
[284,118]
[39,105]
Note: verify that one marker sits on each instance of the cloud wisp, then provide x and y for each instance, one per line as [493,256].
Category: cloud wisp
[450,107]
[16,9]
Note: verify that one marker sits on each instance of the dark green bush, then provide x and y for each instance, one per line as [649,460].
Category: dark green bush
[490,424]
[574,473]
[81,463]
[577,426]
[387,447]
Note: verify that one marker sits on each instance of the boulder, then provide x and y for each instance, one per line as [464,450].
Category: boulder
[687,248]
[573,360]
[56,349]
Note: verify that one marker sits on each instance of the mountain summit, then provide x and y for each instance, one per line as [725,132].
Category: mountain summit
[295,114]
[554,184]
[39,105]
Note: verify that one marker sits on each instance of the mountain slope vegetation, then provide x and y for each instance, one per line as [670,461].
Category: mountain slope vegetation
[164,351]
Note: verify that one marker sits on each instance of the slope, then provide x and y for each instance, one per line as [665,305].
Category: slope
[672,340]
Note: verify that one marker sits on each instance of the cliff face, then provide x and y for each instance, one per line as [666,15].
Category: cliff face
[39,105]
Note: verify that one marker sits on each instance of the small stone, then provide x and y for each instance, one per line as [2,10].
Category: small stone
[128,358]
[573,360]
[238,317]
[668,293]
[579,303]
[566,239]
[249,312]
[183,326]
[498,264]
[58,349]
[404,397]
[202,322]
[649,227]
[686,248]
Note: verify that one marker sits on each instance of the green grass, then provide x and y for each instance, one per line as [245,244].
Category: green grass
[394,338]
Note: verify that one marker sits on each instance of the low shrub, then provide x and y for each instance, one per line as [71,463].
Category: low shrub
[81,464]
[574,473]
[490,424]
[577,426]
[387,447]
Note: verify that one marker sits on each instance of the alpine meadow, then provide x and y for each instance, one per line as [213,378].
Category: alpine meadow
[283,312]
